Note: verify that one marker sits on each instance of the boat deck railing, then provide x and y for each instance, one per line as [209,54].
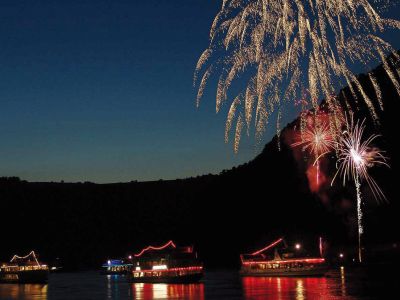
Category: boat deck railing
[7,268]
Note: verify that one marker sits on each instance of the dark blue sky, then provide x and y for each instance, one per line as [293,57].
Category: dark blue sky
[102,91]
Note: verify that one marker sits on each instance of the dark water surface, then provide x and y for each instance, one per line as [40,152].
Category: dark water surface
[340,284]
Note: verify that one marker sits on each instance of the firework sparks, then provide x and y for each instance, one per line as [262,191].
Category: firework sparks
[355,158]
[286,46]
[317,138]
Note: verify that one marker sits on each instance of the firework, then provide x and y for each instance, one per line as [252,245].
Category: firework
[316,136]
[355,157]
[317,139]
[285,46]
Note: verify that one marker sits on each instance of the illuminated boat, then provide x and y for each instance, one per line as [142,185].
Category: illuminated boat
[166,264]
[116,267]
[282,262]
[25,269]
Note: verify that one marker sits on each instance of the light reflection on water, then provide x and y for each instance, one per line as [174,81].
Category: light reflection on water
[216,285]
[146,291]
[258,288]
[23,291]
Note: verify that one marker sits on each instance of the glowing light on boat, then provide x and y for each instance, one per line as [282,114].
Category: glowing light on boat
[268,247]
[31,254]
[160,267]
[169,244]
[183,269]
[300,260]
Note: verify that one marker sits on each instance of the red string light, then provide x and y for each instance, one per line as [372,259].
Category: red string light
[170,243]
[320,247]
[194,268]
[268,247]
[303,260]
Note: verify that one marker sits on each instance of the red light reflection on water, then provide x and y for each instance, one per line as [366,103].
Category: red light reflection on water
[280,288]
[148,291]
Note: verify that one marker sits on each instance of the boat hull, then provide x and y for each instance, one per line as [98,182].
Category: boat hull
[189,278]
[295,272]
[35,276]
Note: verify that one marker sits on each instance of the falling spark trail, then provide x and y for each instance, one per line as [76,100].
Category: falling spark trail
[359,217]
[355,157]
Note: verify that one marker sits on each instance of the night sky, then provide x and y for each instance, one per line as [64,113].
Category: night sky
[102,91]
